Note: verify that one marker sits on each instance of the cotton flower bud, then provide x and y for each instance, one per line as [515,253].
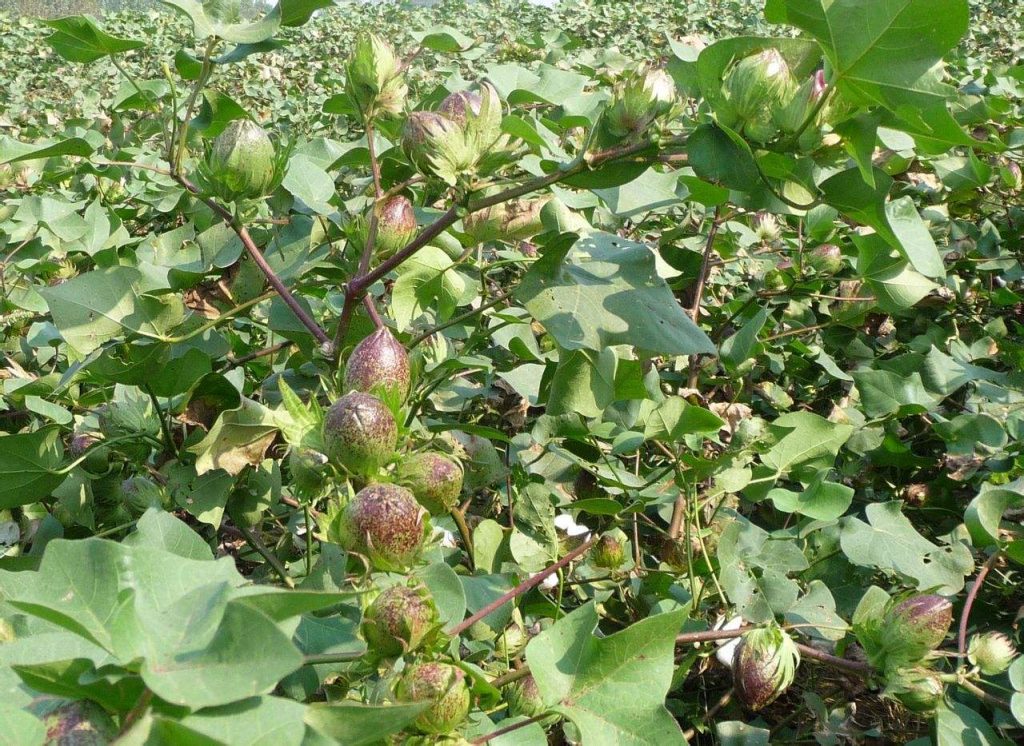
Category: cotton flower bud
[992,652]
[374,75]
[639,99]
[242,163]
[754,89]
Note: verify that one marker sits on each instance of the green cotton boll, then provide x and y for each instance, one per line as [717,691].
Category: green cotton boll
[478,114]
[992,652]
[374,75]
[141,493]
[754,89]
[242,163]
[918,690]
[639,99]
[436,145]
[446,691]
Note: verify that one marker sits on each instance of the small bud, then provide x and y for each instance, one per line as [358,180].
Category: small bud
[360,433]
[478,114]
[766,228]
[436,145]
[826,259]
[992,652]
[608,552]
[396,226]
[242,163]
[142,493]
[524,698]
[399,620]
[639,99]
[435,480]
[512,640]
[764,667]
[374,75]
[918,690]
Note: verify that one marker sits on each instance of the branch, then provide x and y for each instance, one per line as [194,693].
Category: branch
[525,586]
[508,729]
[257,256]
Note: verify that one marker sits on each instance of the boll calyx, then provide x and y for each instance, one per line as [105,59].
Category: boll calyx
[444,687]
[992,652]
[755,88]
[375,78]
[399,620]
[435,480]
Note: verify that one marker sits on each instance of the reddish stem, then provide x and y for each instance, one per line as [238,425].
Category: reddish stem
[519,590]
[961,642]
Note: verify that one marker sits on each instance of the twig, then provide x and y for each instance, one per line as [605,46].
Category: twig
[136,712]
[271,558]
[854,667]
[722,702]
[374,163]
[259,353]
[420,338]
[352,298]
[989,699]
[467,538]
[169,445]
[698,295]
[508,729]
[801,330]
[508,678]
[961,642]
[527,585]
[257,256]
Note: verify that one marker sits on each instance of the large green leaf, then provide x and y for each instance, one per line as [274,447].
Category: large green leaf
[604,291]
[104,304]
[882,52]
[223,19]
[28,465]
[806,443]
[202,640]
[79,39]
[888,541]
[356,724]
[613,688]
[257,721]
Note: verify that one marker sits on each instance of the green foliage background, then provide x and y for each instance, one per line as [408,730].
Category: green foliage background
[855,437]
